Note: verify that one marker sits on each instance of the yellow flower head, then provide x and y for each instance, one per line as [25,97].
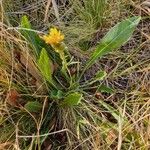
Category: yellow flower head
[54,37]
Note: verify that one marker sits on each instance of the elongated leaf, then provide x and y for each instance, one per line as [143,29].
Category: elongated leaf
[45,65]
[72,99]
[33,106]
[33,38]
[116,37]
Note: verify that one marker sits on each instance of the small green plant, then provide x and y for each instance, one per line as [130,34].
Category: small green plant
[66,88]
[52,45]
[68,102]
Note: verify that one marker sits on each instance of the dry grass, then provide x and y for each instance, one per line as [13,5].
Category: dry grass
[125,125]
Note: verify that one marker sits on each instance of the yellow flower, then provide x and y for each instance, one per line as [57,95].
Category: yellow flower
[54,37]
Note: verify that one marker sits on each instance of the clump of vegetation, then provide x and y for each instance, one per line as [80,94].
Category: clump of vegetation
[48,99]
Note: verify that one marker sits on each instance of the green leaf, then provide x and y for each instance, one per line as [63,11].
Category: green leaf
[25,22]
[33,38]
[72,99]
[45,65]
[100,75]
[56,94]
[106,89]
[33,106]
[115,38]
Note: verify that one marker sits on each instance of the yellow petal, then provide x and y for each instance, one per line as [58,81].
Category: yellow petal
[54,37]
